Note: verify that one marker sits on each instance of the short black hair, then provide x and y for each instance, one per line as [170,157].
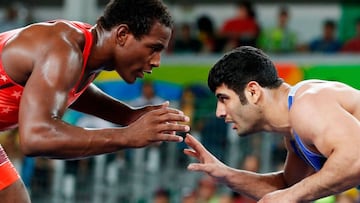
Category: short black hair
[240,66]
[139,15]
[330,23]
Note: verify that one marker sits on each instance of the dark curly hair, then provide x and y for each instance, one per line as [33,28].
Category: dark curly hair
[240,66]
[139,15]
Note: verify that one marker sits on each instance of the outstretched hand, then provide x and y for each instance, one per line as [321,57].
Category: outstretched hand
[138,112]
[156,126]
[208,163]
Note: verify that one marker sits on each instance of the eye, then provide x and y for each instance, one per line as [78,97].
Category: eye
[221,99]
[156,48]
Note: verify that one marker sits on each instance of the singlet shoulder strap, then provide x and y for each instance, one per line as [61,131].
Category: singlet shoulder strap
[292,93]
[88,43]
[88,38]
[293,90]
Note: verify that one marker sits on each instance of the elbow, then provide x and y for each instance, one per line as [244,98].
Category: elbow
[29,147]
[33,144]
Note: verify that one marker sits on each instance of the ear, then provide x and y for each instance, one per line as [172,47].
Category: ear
[253,92]
[122,34]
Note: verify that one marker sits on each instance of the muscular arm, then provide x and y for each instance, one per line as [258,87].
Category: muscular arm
[251,184]
[44,101]
[103,106]
[335,133]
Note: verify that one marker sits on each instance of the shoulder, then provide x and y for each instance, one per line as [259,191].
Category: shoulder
[40,43]
[316,101]
[316,94]
[48,34]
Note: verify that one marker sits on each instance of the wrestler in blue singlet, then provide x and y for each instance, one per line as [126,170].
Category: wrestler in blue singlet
[313,159]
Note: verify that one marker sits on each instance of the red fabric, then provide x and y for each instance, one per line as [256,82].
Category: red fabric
[240,27]
[8,173]
[352,46]
[10,92]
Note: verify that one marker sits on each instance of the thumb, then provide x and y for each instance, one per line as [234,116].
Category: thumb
[195,167]
[165,104]
[159,106]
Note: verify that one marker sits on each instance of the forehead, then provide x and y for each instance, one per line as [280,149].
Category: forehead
[159,33]
[223,90]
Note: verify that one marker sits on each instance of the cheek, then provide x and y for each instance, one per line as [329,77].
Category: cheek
[131,60]
[241,114]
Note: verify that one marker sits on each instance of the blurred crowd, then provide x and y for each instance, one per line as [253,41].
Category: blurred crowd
[202,36]
[199,37]
[244,28]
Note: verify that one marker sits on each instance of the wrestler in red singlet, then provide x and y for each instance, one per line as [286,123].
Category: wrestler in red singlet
[10,94]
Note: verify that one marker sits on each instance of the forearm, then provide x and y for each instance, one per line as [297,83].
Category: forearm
[62,141]
[103,106]
[254,185]
[337,175]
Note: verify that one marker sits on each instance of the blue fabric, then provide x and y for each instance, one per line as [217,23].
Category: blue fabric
[315,160]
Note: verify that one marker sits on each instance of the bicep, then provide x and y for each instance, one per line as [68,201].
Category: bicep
[330,128]
[94,94]
[295,169]
[46,90]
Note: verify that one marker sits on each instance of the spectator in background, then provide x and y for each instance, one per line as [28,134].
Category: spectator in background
[212,128]
[353,45]
[148,96]
[185,42]
[206,192]
[187,105]
[161,196]
[349,196]
[280,38]
[153,152]
[243,29]
[207,35]
[328,42]
[251,163]
[11,19]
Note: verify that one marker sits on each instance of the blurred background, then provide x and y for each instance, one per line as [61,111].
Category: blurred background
[306,39]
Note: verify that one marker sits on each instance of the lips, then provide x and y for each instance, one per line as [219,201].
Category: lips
[234,126]
[147,71]
[140,74]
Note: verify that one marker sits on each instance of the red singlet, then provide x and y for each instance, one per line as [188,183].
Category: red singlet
[10,92]
[8,173]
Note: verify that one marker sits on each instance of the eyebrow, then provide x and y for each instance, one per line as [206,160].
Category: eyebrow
[157,46]
[220,95]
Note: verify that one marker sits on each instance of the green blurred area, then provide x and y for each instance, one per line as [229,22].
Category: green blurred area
[186,75]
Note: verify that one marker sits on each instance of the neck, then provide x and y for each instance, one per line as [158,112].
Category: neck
[276,111]
[100,51]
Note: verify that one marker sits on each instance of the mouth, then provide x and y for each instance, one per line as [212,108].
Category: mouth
[141,73]
[147,71]
[233,124]
[234,127]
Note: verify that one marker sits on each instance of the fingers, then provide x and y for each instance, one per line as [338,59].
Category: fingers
[190,152]
[162,105]
[164,111]
[170,128]
[165,104]
[195,144]
[196,167]
[170,137]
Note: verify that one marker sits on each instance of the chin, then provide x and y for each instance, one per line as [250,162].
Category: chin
[243,134]
[130,81]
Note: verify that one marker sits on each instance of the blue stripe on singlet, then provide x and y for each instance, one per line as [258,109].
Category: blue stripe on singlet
[311,158]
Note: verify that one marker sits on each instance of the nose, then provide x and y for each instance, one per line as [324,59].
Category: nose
[155,60]
[220,110]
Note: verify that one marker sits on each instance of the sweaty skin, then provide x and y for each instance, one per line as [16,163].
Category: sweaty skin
[324,114]
[48,73]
